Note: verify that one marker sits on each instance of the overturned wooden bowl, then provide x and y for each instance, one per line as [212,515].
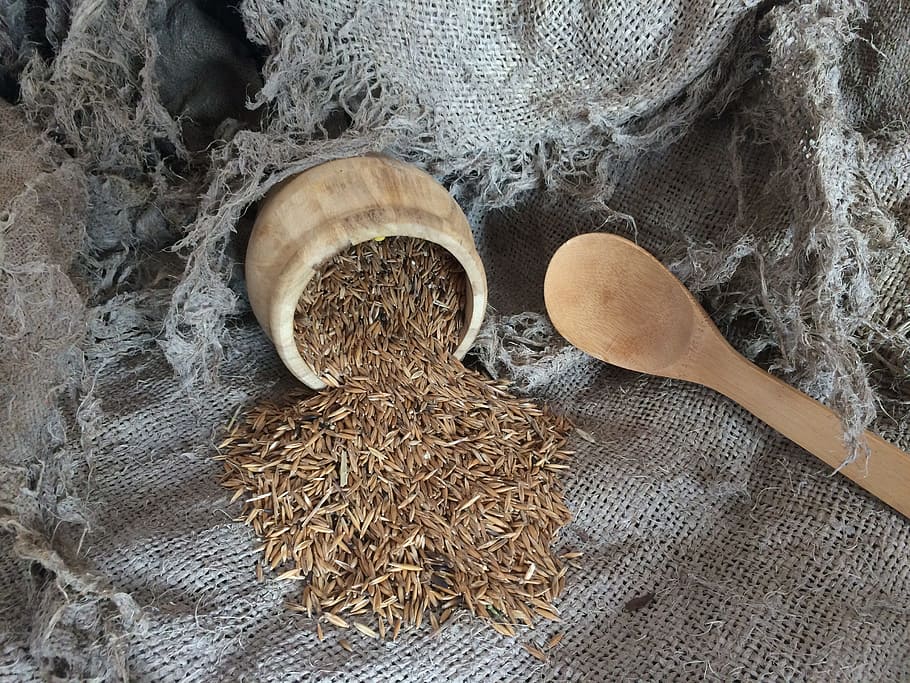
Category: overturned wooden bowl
[325,210]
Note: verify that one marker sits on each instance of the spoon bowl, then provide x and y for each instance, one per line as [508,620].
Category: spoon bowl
[613,300]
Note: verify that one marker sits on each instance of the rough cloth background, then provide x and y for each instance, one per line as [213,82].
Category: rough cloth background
[761,149]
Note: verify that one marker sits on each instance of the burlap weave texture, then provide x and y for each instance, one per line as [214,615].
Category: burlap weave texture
[760,149]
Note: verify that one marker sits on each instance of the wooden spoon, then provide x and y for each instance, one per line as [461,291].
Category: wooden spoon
[613,300]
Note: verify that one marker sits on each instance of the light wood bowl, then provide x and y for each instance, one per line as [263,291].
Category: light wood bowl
[323,211]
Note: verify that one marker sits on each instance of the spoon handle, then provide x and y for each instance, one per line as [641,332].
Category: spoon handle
[885,474]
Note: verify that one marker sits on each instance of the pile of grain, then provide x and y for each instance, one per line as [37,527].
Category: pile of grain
[412,485]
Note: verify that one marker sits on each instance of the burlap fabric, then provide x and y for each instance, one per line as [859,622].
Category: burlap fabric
[760,149]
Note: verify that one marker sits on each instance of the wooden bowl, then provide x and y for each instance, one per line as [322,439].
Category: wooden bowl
[323,211]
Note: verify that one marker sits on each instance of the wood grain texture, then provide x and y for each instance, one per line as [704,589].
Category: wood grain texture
[323,211]
[612,299]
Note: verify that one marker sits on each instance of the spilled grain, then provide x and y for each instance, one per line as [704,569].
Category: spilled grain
[411,486]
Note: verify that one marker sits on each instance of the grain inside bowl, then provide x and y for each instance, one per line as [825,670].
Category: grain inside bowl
[381,300]
[411,486]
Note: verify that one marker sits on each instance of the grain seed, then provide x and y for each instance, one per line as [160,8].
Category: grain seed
[535,651]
